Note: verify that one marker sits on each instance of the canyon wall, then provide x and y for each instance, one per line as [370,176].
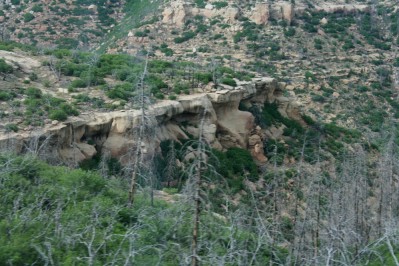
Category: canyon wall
[225,125]
[179,12]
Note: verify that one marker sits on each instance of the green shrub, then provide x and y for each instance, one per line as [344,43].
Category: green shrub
[166,50]
[68,109]
[290,32]
[33,76]
[204,78]
[37,8]
[121,91]
[82,98]
[159,66]
[220,4]
[11,127]
[159,95]
[4,67]
[318,44]
[180,87]
[61,53]
[34,93]
[28,17]
[229,81]
[172,97]
[5,96]
[156,82]
[200,3]
[201,28]
[309,76]
[140,34]
[187,35]
[362,89]
[308,120]
[348,45]
[58,114]
[78,83]
[318,98]
[67,43]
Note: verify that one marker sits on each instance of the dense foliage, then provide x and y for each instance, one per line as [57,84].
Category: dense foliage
[58,216]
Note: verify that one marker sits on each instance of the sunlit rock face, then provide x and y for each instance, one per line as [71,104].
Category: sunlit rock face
[114,133]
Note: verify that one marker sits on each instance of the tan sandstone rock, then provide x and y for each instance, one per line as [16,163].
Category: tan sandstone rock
[283,10]
[260,13]
[176,13]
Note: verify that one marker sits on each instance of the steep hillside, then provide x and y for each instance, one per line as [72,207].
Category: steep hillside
[329,54]
[70,24]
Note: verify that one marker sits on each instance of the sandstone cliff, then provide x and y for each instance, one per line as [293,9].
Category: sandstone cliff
[178,12]
[225,125]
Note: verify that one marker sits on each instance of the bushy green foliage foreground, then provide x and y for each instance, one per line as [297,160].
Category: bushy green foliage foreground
[52,215]
[4,67]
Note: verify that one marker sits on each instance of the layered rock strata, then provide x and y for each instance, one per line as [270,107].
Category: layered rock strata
[112,133]
[178,12]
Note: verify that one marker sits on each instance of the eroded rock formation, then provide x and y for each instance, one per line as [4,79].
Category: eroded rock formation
[260,13]
[178,12]
[225,125]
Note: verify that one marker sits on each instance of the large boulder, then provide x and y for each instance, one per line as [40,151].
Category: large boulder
[255,145]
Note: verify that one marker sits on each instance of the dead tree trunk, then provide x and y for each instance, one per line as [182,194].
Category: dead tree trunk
[138,154]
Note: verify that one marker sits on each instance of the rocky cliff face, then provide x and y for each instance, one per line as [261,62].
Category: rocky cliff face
[225,125]
[178,12]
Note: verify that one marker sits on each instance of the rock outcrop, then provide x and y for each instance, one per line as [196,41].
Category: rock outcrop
[343,8]
[23,63]
[225,125]
[260,13]
[176,13]
[283,11]
[179,11]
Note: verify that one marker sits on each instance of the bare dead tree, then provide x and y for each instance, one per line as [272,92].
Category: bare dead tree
[144,124]
[197,170]
[214,68]
[91,63]
[55,67]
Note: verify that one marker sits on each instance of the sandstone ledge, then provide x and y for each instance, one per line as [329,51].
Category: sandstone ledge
[81,137]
